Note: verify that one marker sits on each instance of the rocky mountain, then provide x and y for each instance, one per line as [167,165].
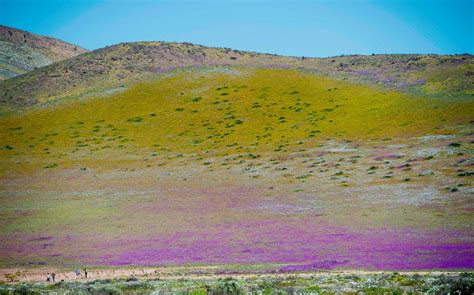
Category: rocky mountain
[22,51]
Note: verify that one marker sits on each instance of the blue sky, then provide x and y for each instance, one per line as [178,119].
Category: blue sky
[298,27]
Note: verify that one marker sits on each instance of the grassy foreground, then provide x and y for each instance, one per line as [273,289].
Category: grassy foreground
[316,283]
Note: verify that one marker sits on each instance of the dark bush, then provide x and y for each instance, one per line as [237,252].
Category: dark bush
[135,119]
[225,287]
[463,284]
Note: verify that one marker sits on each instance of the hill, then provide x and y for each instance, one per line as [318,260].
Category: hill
[115,67]
[231,109]
[156,153]
[21,51]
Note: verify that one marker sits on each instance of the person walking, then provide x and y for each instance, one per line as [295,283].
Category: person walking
[53,276]
[85,273]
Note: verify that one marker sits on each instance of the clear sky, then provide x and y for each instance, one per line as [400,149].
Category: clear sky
[298,27]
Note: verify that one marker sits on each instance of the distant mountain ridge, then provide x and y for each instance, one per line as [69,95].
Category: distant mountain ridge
[124,64]
[22,51]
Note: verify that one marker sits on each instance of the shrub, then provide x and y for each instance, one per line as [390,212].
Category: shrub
[53,165]
[226,287]
[135,119]
[313,289]
[197,292]
[106,290]
[381,290]
[467,173]
[463,284]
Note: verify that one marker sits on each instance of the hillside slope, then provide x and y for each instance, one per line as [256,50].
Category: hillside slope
[235,165]
[125,64]
[21,51]
[233,109]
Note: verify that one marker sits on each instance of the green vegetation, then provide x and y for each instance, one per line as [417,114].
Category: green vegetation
[267,284]
[259,115]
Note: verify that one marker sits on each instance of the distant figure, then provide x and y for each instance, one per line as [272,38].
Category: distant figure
[53,276]
[48,277]
[78,273]
[85,273]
